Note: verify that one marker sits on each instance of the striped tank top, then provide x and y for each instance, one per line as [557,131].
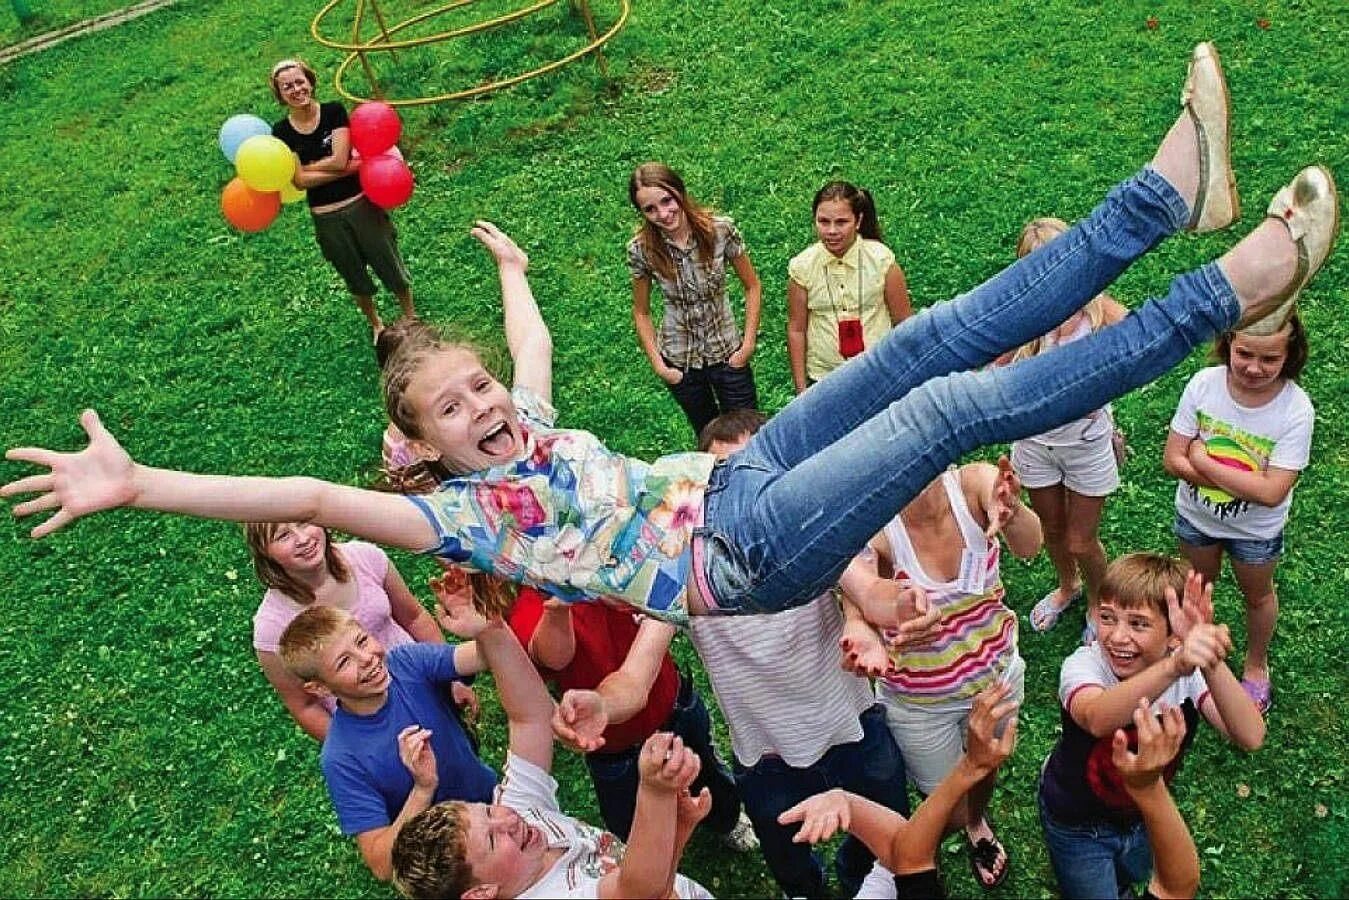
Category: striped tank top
[977,632]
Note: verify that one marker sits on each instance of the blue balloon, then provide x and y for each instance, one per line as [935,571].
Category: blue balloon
[238,129]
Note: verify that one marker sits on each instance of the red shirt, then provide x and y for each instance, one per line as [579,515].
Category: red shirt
[604,635]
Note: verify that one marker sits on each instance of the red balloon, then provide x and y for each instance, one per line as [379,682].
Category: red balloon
[247,209]
[386,180]
[375,127]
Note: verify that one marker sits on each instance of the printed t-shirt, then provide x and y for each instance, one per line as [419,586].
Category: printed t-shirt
[575,519]
[603,637]
[369,566]
[1249,439]
[367,780]
[317,145]
[590,853]
[851,286]
[1080,784]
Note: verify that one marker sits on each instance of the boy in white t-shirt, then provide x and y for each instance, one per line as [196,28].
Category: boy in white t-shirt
[1151,647]
[524,845]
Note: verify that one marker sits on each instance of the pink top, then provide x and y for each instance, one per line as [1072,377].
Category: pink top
[369,566]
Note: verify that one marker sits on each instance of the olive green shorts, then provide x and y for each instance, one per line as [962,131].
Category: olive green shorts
[357,236]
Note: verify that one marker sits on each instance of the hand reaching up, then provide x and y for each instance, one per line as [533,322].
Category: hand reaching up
[1195,608]
[1003,499]
[454,604]
[99,477]
[1205,646]
[665,764]
[414,749]
[1159,740]
[821,816]
[991,734]
[503,249]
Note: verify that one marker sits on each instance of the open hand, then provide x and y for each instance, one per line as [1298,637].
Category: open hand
[1204,647]
[579,720]
[987,746]
[505,250]
[454,604]
[821,817]
[692,808]
[1195,608]
[1159,740]
[861,651]
[414,749]
[99,477]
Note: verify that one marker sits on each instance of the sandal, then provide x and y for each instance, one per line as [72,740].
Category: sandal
[1259,690]
[984,855]
[1309,208]
[1204,97]
[1046,613]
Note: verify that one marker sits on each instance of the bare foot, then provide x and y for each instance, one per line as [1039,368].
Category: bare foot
[1262,265]
[1177,158]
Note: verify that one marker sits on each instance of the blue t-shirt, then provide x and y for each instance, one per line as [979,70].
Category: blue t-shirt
[367,781]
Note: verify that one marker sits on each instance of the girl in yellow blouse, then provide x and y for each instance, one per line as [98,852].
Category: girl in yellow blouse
[845,291]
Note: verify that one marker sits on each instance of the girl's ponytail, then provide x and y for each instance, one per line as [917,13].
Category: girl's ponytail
[870,225]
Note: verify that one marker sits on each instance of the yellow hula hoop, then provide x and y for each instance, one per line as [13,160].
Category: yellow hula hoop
[381,43]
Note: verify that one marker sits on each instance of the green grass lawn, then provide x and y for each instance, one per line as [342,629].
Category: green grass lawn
[142,750]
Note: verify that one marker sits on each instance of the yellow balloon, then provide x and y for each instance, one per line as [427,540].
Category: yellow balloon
[291,194]
[264,163]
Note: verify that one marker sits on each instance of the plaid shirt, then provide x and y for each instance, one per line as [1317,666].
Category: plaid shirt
[698,328]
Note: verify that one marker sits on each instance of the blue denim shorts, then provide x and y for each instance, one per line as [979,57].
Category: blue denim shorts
[1248,551]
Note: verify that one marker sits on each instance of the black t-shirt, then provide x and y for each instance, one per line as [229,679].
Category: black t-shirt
[317,145]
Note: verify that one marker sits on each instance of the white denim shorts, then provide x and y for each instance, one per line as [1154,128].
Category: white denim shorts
[931,740]
[1087,468]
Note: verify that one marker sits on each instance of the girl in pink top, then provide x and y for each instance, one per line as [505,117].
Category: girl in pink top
[302,566]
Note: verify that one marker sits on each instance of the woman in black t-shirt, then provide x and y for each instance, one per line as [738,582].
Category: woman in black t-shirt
[354,234]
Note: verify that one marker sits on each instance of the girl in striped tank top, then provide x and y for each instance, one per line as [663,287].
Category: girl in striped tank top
[943,546]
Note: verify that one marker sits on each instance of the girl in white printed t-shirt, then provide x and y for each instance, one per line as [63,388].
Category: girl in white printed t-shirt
[1239,439]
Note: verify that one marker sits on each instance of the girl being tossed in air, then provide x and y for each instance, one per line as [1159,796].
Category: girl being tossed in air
[764,530]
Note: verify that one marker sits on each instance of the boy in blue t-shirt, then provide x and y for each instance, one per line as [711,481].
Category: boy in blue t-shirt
[394,746]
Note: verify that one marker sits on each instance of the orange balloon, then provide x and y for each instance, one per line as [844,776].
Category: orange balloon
[247,209]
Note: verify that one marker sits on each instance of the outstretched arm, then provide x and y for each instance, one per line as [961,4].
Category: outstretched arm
[1175,861]
[414,749]
[998,492]
[527,336]
[666,768]
[582,716]
[103,476]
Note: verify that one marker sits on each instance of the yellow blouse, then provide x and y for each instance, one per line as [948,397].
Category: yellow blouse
[848,287]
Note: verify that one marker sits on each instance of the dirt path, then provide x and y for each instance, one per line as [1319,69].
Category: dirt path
[97,23]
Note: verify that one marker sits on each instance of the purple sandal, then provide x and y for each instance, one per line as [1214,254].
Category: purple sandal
[1259,690]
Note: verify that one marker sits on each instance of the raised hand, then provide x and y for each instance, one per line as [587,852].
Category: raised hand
[505,250]
[454,604]
[991,733]
[1003,498]
[467,700]
[1195,608]
[821,817]
[665,764]
[692,808]
[99,477]
[414,749]
[580,719]
[1205,646]
[1159,740]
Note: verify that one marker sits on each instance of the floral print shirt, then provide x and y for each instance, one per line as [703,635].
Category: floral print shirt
[575,519]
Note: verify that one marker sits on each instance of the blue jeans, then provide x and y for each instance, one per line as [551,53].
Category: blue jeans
[871,767]
[615,776]
[1096,861]
[783,517]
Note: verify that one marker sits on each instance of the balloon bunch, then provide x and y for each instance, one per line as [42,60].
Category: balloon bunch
[265,167]
[385,176]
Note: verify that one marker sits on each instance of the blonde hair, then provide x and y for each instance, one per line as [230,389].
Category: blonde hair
[430,853]
[257,535]
[302,642]
[1140,580]
[284,64]
[402,365]
[1034,235]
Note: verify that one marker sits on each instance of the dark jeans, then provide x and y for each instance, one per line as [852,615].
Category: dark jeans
[706,393]
[871,768]
[615,774]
